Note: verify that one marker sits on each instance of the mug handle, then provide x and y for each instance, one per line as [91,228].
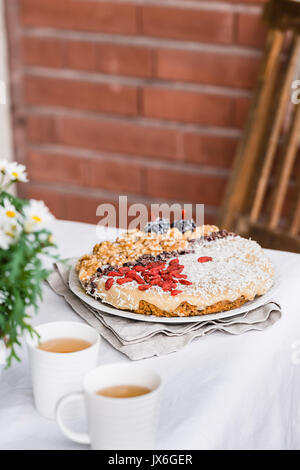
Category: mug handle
[80,437]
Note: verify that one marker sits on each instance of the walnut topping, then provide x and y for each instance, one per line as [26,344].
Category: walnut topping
[201,231]
[87,266]
[129,246]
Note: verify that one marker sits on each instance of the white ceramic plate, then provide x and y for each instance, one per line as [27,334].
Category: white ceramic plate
[76,287]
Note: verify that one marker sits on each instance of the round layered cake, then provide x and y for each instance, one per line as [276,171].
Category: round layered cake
[177,272]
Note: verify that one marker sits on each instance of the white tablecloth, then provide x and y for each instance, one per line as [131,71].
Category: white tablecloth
[220,392]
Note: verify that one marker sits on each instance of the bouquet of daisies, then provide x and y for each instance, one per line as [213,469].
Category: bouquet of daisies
[24,239]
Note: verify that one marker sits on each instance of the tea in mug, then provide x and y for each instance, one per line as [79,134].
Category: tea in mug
[123,391]
[64,345]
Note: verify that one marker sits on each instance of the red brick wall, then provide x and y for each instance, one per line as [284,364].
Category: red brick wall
[142,97]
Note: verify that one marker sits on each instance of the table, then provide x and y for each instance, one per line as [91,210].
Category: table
[220,392]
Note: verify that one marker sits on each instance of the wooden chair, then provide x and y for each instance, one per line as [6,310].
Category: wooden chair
[263,179]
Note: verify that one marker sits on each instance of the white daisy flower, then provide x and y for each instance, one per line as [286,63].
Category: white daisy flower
[8,213]
[5,240]
[3,296]
[12,230]
[16,172]
[3,165]
[9,224]
[37,216]
[4,179]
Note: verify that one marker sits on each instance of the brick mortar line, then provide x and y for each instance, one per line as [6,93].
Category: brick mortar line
[109,195]
[140,121]
[140,41]
[96,77]
[143,161]
[204,5]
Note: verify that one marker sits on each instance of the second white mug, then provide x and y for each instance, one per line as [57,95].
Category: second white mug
[116,423]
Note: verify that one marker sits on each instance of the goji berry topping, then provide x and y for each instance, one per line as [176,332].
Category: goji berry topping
[114,274]
[204,259]
[163,274]
[139,268]
[175,292]
[144,287]
[124,280]
[109,283]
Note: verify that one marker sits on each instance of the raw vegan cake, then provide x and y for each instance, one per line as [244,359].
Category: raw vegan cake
[176,270]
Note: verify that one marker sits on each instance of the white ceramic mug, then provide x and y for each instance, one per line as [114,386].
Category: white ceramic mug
[56,374]
[115,423]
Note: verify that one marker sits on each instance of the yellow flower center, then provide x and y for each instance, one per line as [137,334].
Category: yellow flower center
[15,175]
[11,214]
[12,232]
[36,218]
